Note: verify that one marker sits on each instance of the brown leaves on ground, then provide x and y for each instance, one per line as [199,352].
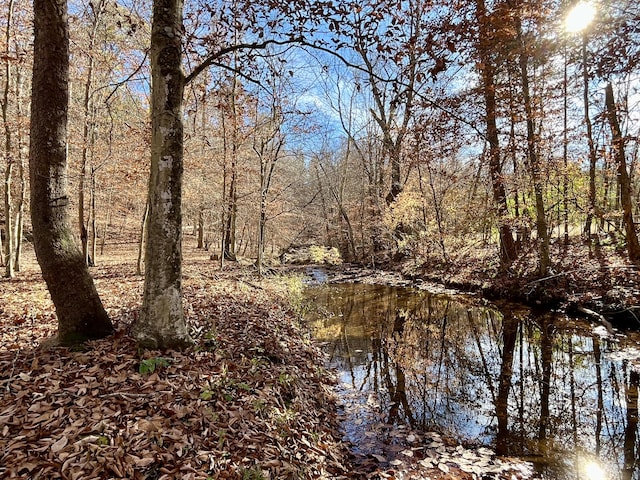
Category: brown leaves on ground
[249,401]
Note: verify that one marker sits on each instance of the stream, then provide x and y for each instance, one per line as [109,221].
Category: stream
[551,391]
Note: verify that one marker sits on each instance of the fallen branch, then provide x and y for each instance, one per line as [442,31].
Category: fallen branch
[597,316]
[632,267]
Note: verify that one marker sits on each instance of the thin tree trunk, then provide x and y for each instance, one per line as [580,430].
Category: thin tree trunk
[161,323]
[143,239]
[107,221]
[626,196]
[200,228]
[22,154]
[92,214]
[88,134]
[532,155]
[8,152]
[262,220]
[592,208]
[232,201]
[78,306]
[565,152]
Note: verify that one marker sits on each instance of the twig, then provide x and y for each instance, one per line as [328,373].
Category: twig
[133,395]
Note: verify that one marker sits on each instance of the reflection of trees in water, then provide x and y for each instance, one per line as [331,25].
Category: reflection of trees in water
[509,379]
[631,452]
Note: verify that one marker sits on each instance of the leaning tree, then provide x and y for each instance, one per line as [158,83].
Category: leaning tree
[81,315]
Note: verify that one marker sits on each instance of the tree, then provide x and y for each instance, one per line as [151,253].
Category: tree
[268,143]
[13,119]
[9,154]
[626,197]
[161,323]
[532,148]
[88,130]
[80,312]
[485,46]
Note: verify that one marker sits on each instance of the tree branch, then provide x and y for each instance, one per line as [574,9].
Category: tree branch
[211,59]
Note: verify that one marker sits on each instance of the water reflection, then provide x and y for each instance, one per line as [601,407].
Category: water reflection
[507,379]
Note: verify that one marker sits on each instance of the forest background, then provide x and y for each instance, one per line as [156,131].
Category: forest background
[463,138]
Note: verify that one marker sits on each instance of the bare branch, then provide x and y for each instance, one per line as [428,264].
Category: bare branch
[211,59]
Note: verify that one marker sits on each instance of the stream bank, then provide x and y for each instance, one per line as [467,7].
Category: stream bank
[582,279]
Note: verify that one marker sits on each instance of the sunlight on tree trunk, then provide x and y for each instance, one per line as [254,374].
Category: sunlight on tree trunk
[161,323]
[80,312]
[22,154]
[143,239]
[633,247]
[8,154]
[592,207]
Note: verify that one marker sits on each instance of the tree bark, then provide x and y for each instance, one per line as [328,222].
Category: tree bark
[80,312]
[626,197]
[161,323]
[592,208]
[143,239]
[487,70]
[22,154]
[200,228]
[8,154]
[88,134]
[532,156]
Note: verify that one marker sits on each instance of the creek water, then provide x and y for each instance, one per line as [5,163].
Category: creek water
[539,387]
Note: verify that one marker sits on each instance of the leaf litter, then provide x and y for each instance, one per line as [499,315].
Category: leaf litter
[250,400]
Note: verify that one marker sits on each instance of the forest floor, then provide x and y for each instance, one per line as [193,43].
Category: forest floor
[250,401]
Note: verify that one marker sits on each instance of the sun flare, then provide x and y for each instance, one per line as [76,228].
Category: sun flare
[579,17]
[593,471]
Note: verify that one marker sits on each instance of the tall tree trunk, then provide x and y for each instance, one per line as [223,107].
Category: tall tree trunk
[262,220]
[232,210]
[8,152]
[94,221]
[487,70]
[22,153]
[633,247]
[78,306]
[232,200]
[161,323]
[565,150]
[592,208]
[532,156]
[88,132]
[107,221]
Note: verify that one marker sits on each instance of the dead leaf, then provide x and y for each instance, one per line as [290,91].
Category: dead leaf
[59,444]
